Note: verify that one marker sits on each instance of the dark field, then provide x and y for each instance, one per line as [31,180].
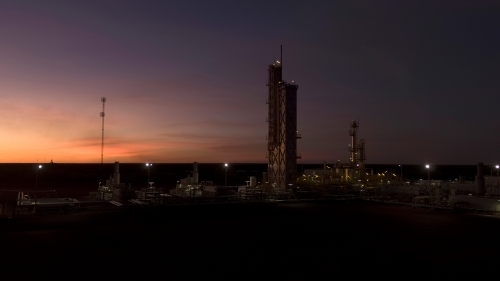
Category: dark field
[287,241]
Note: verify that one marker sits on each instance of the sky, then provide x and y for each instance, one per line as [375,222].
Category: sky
[185,81]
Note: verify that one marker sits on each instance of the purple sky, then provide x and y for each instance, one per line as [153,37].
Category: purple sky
[185,81]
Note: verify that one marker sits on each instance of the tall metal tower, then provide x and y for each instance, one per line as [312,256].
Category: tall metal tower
[358,155]
[353,149]
[282,129]
[103,100]
[361,159]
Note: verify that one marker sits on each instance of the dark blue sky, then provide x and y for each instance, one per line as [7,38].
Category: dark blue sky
[186,80]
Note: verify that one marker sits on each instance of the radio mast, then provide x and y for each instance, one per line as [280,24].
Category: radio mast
[103,100]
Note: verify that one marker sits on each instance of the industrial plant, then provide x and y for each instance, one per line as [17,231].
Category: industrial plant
[282,181]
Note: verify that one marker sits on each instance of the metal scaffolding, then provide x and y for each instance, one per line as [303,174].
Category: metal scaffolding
[282,130]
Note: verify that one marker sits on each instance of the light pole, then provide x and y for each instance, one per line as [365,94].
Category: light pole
[36,184]
[428,183]
[497,176]
[428,175]
[225,165]
[401,172]
[148,165]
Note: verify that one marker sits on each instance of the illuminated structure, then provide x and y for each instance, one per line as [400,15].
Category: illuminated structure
[361,159]
[282,129]
[357,150]
[352,149]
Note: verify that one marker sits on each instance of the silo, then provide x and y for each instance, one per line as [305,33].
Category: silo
[253,181]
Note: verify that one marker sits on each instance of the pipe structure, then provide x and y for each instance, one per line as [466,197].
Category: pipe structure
[354,169]
[361,158]
[353,134]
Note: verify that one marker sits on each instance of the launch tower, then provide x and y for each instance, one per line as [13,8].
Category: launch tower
[282,130]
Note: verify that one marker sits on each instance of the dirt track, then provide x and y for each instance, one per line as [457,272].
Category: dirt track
[234,241]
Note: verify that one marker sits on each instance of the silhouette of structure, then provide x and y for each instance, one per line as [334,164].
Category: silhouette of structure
[358,157]
[355,169]
[103,100]
[282,129]
[353,149]
[361,159]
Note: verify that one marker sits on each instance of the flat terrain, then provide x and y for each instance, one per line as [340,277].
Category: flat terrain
[294,241]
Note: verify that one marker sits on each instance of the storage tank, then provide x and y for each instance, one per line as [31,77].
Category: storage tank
[253,181]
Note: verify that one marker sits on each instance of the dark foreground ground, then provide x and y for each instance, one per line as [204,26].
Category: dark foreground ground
[294,241]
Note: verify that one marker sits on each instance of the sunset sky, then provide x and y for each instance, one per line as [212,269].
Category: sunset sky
[186,81]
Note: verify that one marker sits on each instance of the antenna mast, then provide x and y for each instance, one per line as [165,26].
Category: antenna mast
[103,100]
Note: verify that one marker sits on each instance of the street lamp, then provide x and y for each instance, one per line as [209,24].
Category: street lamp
[148,165]
[497,176]
[401,172]
[225,165]
[428,175]
[36,185]
[428,182]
